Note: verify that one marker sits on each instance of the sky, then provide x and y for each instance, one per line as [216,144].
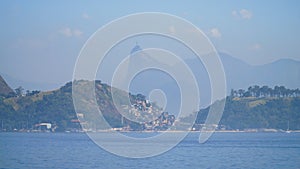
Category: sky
[40,40]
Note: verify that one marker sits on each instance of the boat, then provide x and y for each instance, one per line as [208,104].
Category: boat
[288,128]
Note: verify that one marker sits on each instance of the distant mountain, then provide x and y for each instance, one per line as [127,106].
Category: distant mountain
[239,74]
[5,90]
[285,72]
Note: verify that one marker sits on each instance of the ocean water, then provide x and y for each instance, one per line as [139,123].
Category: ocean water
[223,150]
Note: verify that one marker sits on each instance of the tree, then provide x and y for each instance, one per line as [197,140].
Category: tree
[282,91]
[256,90]
[250,90]
[232,93]
[265,91]
[27,93]
[297,92]
[31,93]
[19,91]
[241,92]
[247,94]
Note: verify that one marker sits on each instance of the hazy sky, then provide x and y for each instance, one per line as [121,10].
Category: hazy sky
[41,40]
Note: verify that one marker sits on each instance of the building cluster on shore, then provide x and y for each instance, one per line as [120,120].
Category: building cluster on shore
[163,122]
[141,110]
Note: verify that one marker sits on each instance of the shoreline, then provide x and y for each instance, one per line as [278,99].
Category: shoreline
[168,131]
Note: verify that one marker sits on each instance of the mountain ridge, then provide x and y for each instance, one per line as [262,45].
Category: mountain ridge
[230,63]
[5,90]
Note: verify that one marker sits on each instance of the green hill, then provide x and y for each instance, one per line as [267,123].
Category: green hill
[56,107]
[258,113]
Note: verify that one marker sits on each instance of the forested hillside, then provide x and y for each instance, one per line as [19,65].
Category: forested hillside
[254,108]
[273,109]
[27,111]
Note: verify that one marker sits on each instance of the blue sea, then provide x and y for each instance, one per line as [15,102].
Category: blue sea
[222,150]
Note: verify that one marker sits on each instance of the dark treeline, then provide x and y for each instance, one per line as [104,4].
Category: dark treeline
[265,91]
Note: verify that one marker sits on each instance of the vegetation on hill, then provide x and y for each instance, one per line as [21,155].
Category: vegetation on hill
[277,108]
[26,111]
[265,91]
[257,107]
